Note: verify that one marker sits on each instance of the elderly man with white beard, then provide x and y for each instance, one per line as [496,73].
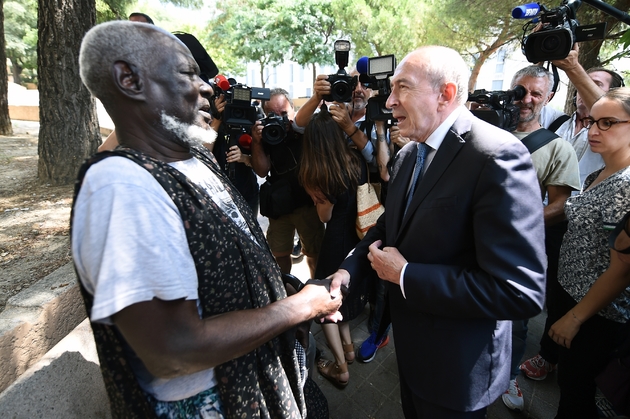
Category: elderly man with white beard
[189,311]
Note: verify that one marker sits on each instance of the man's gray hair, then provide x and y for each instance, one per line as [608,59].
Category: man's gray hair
[446,66]
[276,92]
[535,71]
[118,40]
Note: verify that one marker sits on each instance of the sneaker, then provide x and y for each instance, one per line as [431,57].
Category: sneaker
[368,348]
[297,250]
[513,398]
[537,368]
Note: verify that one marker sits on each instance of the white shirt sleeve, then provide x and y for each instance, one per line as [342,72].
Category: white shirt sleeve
[128,240]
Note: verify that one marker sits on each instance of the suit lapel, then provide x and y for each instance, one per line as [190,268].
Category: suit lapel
[449,148]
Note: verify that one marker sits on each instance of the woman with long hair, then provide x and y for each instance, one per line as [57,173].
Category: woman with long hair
[330,172]
[595,294]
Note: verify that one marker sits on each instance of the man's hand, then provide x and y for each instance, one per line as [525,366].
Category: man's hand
[387,263]
[257,132]
[570,62]
[339,278]
[323,303]
[340,114]
[234,155]
[321,87]
[396,138]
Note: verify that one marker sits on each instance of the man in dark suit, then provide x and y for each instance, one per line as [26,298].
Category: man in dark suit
[466,256]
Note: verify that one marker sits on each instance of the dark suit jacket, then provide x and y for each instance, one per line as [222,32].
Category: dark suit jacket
[474,239]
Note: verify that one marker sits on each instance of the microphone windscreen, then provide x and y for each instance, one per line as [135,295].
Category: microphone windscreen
[362,65]
[526,11]
[245,140]
[222,82]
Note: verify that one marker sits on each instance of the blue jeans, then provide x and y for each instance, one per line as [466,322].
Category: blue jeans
[519,342]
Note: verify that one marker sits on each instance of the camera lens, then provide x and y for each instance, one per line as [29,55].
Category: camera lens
[273,134]
[341,91]
[550,43]
[238,113]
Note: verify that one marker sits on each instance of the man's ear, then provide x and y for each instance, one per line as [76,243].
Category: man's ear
[551,95]
[128,81]
[449,91]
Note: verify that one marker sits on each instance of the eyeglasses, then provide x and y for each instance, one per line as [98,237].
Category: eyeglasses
[603,124]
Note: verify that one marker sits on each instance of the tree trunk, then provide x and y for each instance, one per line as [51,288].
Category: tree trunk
[16,70]
[262,74]
[5,120]
[69,130]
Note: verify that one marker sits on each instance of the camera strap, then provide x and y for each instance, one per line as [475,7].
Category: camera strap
[556,78]
[538,138]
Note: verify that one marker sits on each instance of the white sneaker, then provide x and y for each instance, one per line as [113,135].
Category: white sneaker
[513,398]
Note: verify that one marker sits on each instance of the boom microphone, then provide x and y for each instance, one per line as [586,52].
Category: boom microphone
[362,65]
[526,11]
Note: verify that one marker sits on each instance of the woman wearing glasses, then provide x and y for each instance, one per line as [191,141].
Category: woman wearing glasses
[595,295]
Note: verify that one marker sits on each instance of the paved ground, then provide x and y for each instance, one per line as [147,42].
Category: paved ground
[373,391]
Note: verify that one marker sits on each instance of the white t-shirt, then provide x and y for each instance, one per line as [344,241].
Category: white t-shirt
[129,246]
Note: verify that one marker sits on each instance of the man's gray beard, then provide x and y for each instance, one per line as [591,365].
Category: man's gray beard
[358,105]
[187,134]
[530,118]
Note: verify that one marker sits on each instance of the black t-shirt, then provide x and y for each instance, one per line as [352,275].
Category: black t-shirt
[285,164]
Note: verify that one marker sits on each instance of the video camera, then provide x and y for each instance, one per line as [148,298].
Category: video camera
[241,111]
[341,84]
[274,128]
[499,108]
[375,74]
[560,30]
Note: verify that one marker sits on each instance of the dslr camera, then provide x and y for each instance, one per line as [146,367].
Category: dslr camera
[341,84]
[274,128]
[560,30]
[498,107]
[379,70]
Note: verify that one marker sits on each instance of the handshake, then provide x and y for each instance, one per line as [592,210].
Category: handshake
[293,285]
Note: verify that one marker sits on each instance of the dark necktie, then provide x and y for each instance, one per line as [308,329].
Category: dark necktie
[417,172]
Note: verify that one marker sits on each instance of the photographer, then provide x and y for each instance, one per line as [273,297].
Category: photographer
[228,152]
[351,117]
[557,171]
[590,85]
[292,209]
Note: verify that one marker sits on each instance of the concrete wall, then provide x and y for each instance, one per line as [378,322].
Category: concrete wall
[36,319]
[65,383]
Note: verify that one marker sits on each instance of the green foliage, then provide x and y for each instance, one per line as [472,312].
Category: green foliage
[308,26]
[245,29]
[20,26]
[380,28]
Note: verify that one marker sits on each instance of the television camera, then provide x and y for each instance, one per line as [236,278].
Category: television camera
[241,110]
[558,32]
[498,106]
[375,75]
[341,84]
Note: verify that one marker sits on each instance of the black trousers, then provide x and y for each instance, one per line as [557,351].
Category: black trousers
[579,365]
[416,408]
[553,241]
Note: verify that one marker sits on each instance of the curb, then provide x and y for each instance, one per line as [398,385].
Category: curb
[36,319]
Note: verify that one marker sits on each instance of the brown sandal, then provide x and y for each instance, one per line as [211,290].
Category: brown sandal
[348,352]
[331,371]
